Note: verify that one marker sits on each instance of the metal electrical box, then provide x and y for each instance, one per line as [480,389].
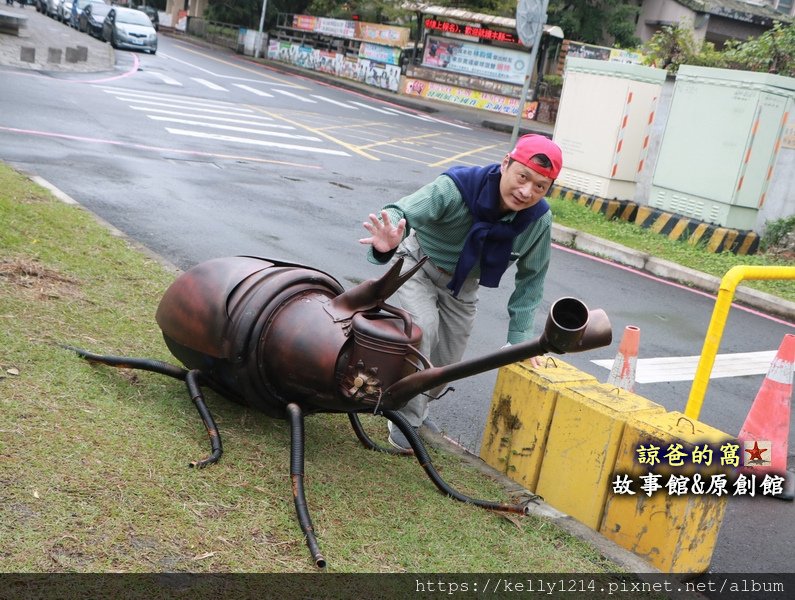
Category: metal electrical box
[603,125]
[720,144]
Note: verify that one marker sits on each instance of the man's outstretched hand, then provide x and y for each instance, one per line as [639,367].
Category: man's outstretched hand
[384,236]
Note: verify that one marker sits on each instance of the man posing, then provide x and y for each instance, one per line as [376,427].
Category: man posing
[471,223]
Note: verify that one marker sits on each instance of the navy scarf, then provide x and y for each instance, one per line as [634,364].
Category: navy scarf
[488,238]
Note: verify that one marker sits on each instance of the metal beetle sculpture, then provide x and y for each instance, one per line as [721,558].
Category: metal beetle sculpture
[288,340]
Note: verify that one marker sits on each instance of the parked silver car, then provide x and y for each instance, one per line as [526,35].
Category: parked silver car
[129,28]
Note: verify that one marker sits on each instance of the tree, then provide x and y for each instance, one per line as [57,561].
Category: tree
[602,22]
[246,13]
[771,52]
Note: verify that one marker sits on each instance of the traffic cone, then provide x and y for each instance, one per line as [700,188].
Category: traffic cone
[769,419]
[622,374]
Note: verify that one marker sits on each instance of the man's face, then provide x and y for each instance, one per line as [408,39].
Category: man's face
[520,186]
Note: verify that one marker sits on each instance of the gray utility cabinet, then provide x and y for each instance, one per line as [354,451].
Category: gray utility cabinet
[720,145]
[603,125]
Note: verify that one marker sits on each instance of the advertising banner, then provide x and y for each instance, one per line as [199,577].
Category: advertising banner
[385,35]
[465,97]
[489,62]
[384,54]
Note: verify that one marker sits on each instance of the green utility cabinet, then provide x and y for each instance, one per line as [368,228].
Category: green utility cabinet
[720,145]
[603,125]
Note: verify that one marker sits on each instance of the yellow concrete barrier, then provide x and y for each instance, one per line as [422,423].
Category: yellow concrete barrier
[584,436]
[521,410]
[675,533]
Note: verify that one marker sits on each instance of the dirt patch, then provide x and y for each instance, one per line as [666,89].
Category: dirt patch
[37,280]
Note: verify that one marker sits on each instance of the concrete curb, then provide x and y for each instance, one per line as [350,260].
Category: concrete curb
[665,269]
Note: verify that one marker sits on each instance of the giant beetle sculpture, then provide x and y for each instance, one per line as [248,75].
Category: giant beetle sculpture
[288,340]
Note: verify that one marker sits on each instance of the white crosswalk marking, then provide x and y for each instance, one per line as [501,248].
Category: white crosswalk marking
[247,120]
[381,110]
[248,88]
[683,368]
[240,140]
[329,100]
[295,96]
[210,84]
[166,79]
[236,129]
[192,108]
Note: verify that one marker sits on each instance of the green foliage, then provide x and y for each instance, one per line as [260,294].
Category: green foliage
[776,230]
[669,48]
[771,52]
[605,22]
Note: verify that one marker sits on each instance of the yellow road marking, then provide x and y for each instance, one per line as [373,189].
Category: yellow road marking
[347,146]
[461,155]
[401,140]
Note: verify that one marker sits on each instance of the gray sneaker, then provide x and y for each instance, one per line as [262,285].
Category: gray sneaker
[399,441]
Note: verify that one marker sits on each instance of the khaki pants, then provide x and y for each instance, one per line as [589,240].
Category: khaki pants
[446,322]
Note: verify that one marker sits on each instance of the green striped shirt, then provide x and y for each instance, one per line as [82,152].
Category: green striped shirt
[441,220]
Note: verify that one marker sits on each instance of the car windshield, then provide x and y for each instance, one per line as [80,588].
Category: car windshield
[99,10]
[133,17]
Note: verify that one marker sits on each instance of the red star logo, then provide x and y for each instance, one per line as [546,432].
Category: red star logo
[755,453]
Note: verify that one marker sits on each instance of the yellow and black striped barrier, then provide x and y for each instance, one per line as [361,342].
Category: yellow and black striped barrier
[675,227]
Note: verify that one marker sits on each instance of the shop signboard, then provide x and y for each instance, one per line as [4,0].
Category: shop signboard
[489,62]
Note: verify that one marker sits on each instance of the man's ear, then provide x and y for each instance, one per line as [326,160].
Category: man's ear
[504,165]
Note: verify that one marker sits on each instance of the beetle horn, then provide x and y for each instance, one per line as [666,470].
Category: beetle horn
[371,293]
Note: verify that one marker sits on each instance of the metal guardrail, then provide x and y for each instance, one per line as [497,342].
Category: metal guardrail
[214,32]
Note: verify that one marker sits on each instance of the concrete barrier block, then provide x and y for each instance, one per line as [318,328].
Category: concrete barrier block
[675,533]
[27,54]
[521,410]
[582,445]
[54,55]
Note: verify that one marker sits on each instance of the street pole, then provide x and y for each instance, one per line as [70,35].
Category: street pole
[259,33]
[538,18]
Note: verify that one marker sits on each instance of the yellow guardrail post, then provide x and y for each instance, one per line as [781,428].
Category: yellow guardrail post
[720,313]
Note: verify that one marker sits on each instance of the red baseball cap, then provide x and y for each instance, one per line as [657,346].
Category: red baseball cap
[528,146]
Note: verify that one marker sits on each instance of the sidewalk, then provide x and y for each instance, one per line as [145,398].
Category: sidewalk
[43,32]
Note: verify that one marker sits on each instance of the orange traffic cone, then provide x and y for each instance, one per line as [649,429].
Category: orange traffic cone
[623,372]
[765,434]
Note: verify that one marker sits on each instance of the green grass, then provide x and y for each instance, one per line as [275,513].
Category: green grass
[93,460]
[694,256]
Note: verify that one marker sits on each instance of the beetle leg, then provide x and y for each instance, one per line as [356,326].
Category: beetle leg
[425,460]
[367,441]
[296,417]
[192,381]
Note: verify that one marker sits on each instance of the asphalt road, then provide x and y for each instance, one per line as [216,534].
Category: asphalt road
[190,198]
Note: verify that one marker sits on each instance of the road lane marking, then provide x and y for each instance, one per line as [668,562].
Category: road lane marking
[166,79]
[210,84]
[240,112]
[318,131]
[239,140]
[253,90]
[163,96]
[381,110]
[234,128]
[295,96]
[329,100]
[683,368]
[159,149]
[247,120]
